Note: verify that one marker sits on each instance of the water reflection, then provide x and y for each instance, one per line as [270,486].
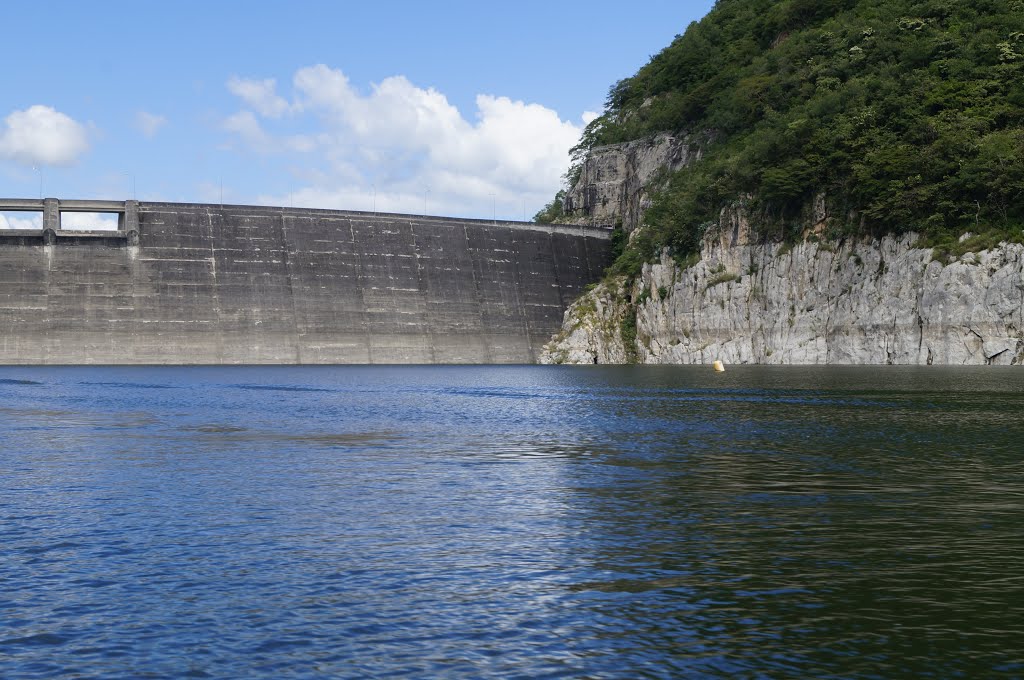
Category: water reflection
[522,522]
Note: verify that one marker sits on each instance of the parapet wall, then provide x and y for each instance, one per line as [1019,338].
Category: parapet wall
[210,284]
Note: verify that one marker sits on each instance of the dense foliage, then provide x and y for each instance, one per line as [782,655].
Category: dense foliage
[905,114]
[552,212]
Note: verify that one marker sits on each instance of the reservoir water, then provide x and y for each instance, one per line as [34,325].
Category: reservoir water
[523,522]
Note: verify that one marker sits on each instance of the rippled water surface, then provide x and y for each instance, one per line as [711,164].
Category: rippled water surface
[516,522]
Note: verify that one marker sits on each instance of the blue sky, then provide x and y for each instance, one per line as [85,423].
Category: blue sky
[459,108]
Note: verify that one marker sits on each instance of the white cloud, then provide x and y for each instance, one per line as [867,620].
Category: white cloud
[40,135]
[26,220]
[245,125]
[149,123]
[350,196]
[88,221]
[248,128]
[68,220]
[260,95]
[409,143]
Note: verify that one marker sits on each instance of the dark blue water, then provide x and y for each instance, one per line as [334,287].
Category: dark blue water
[516,522]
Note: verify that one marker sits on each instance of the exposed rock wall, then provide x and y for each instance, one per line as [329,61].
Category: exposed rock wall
[876,302]
[615,180]
[868,302]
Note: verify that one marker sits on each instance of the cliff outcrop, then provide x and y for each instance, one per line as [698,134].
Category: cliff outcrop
[745,299]
[615,181]
[849,302]
[869,175]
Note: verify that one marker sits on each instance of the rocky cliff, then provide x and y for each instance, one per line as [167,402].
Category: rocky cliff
[884,301]
[873,302]
[614,181]
[793,110]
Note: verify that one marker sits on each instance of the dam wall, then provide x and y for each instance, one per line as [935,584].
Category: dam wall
[211,284]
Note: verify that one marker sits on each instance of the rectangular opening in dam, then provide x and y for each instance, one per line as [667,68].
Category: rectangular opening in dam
[21,219]
[89,221]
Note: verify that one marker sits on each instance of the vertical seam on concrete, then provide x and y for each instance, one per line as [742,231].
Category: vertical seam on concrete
[286,261]
[215,286]
[361,281]
[488,344]
[133,275]
[424,297]
[49,252]
[520,301]
[44,349]
[554,271]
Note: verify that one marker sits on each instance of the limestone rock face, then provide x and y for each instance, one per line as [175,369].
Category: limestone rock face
[876,302]
[615,180]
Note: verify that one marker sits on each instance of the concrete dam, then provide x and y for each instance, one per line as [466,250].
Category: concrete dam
[211,284]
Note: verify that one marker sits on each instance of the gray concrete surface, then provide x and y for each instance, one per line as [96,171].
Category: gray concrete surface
[210,284]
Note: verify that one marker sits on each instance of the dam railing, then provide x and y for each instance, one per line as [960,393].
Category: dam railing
[51,230]
[128,212]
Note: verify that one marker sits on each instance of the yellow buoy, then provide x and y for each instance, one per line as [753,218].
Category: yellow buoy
[719,366]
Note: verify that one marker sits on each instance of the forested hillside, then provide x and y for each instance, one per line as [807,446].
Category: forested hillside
[907,115]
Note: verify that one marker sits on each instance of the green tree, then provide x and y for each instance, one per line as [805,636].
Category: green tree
[905,114]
